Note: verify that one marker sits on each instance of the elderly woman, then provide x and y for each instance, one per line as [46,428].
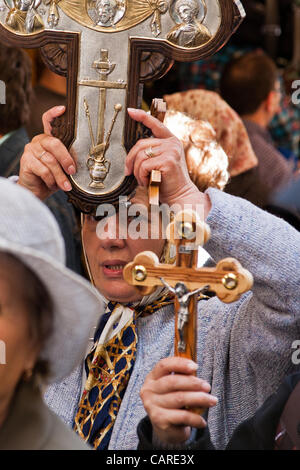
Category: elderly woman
[41,319]
[241,350]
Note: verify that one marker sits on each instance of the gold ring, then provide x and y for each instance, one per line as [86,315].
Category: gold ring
[42,154]
[149,152]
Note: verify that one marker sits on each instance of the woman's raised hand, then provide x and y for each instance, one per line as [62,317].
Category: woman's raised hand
[163,152]
[46,160]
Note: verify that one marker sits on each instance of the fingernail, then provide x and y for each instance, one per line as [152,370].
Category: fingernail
[60,108]
[71,170]
[67,186]
[213,400]
[192,366]
[131,109]
[206,386]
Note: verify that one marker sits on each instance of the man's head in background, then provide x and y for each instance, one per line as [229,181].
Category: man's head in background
[250,85]
[15,73]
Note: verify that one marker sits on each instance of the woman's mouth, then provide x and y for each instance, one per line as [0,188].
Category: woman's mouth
[116,267]
[113,269]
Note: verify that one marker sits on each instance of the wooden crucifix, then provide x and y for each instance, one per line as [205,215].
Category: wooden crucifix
[107,50]
[229,280]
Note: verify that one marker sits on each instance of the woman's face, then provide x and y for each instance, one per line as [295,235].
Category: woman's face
[108,256]
[18,354]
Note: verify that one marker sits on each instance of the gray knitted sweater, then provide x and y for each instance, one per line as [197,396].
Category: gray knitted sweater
[244,348]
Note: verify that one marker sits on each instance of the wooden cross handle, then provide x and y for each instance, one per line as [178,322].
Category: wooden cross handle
[229,280]
[158,109]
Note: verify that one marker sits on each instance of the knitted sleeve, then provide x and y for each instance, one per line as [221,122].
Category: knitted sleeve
[245,348]
[264,244]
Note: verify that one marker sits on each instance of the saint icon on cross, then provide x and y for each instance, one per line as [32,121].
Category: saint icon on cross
[107,12]
[190,32]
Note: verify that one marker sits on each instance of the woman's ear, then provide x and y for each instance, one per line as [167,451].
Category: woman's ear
[32,354]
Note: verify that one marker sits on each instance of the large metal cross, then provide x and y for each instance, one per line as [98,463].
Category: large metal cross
[137,41]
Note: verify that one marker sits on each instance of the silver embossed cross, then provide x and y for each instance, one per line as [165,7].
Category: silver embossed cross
[108,49]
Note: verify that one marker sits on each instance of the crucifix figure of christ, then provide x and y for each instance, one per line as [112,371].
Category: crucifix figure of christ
[107,50]
[183,297]
[228,279]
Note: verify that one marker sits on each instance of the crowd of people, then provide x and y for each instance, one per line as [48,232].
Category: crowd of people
[89,360]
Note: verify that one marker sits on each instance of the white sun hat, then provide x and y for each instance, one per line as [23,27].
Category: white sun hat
[29,231]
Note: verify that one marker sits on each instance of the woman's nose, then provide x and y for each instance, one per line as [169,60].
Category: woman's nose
[110,233]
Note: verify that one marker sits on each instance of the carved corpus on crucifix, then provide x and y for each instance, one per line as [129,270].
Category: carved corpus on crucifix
[228,279]
[107,50]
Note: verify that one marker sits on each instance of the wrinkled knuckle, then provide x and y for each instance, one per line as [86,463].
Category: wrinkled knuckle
[55,142]
[49,158]
[45,114]
[172,381]
[143,393]
[37,138]
[179,399]
[163,425]
[27,149]
[145,396]
[52,143]
[156,418]
[147,405]
[139,146]
[163,366]
[186,417]
[45,173]
[66,161]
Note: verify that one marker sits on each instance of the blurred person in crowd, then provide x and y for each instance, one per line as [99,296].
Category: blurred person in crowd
[15,72]
[251,86]
[49,91]
[44,310]
[231,135]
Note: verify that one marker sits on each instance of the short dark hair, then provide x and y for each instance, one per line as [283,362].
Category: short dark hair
[37,302]
[15,72]
[247,81]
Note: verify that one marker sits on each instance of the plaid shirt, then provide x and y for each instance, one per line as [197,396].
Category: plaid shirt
[274,170]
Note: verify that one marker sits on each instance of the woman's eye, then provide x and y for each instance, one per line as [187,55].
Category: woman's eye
[92,218]
[140,217]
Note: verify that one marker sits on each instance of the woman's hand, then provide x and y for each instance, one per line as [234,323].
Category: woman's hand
[46,160]
[165,395]
[168,156]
